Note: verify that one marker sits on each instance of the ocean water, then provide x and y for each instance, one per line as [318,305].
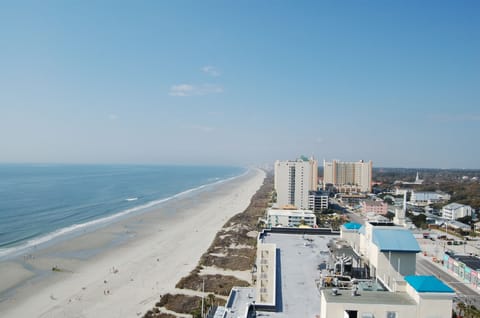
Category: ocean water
[39,203]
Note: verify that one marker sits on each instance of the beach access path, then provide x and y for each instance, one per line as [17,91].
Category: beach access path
[126,279]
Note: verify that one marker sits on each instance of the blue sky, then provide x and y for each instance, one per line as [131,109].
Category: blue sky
[240,82]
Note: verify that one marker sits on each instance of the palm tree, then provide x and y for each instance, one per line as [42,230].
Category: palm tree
[211,299]
[461,308]
[471,312]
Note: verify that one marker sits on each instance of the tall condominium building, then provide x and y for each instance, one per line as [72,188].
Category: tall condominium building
[348,176]
[293,181]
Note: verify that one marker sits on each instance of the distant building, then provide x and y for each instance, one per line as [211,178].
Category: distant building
[466,267]
[348,176]
[377,207]
[477,227]
[416,182]
[401,212]
[317,201]
[290,218]
[455,225]
[377,218]
[351,200]
[426,198]
[400,191]
[293,181]
[454,211]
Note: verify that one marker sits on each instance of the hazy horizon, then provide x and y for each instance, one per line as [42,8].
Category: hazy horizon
[260,164]
[240,83]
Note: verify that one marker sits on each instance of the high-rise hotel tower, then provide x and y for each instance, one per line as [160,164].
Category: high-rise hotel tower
[348,176]
[293,180]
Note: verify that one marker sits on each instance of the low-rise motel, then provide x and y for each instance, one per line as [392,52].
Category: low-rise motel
[465,267]
[362,271]
[290,217]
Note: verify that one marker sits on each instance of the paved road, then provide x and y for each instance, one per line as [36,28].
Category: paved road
[352,216]
[425,267]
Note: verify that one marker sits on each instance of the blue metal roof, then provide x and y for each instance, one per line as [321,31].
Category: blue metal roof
[352,226]
[428,284]
[394,240]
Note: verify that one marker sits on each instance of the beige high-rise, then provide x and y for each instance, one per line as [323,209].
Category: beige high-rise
[348,176]
[293,181]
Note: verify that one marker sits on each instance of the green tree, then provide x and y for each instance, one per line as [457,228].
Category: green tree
[390,215]
[465,220]
[419,220]
[389,201]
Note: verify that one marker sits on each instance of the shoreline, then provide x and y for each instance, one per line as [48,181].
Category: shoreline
[132,261]
[75,230]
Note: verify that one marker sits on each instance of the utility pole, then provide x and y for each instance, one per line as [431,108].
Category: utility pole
[203,297]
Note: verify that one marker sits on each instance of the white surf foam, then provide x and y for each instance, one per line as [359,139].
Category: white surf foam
[34,243]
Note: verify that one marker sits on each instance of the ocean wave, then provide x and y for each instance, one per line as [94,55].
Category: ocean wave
[34,243]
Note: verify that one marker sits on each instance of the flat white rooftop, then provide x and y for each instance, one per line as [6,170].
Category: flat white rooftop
[298,260]
[369,297]
[238,303]
[290,212]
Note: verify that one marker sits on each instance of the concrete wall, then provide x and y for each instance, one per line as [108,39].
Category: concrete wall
[391,267]
[373,255]
[332,310]
[432,305]
[404,263]
[363,243]
[266,274]
[352,237]
[297,231]
[427,305]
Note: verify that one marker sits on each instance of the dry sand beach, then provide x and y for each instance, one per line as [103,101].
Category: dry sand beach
[120,270]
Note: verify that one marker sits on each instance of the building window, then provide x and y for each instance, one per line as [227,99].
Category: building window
[391,314]
[350,314]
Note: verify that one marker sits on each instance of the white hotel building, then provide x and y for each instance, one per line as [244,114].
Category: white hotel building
[454,211]
[293,181]
[290,218]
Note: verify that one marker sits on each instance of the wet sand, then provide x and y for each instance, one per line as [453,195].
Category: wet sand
[121,269]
